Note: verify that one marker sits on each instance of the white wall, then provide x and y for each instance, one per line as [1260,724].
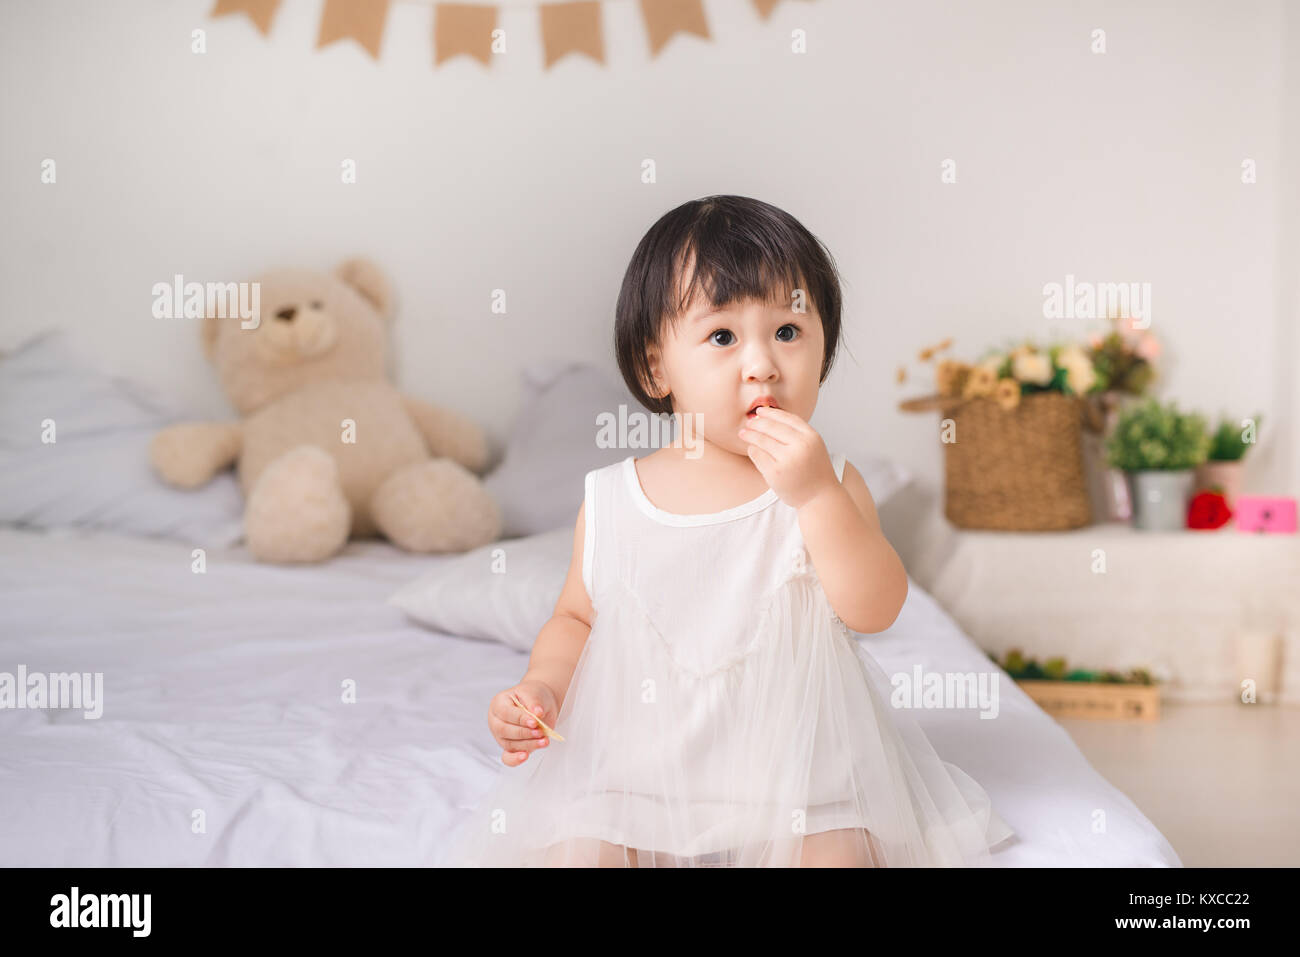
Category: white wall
[1114,167]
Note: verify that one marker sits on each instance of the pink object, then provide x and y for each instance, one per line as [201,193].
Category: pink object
[1257,513]
[1148,347]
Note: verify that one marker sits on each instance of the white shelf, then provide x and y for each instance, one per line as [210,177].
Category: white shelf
[1172,602]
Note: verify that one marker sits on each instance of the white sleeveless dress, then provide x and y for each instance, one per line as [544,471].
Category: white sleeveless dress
[721,714]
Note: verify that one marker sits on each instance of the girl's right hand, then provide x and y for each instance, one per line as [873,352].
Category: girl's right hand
[516,731]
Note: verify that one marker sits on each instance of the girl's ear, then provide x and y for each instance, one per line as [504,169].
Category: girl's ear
[657,388]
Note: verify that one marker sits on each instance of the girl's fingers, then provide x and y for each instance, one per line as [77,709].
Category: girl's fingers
[510,713]
[511,735]
[769,424]
[787,419]
[526,716]
[527,747]
[762,440]
[750,431]
[507,729]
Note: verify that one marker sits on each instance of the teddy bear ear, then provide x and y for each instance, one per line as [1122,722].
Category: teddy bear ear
[369,280]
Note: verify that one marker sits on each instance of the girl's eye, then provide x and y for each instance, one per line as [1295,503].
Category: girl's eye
[727,332]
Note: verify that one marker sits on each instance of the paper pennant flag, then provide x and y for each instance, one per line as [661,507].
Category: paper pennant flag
[259,11]
[571,28]
[765,7]
[360,20]
[663,18]
[463,28]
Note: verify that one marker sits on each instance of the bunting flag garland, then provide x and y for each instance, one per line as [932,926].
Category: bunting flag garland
[259,11]
[363,22]
[463,28]
[663,18]
[573,26]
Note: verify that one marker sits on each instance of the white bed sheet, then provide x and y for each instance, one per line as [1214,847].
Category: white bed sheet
[223,695]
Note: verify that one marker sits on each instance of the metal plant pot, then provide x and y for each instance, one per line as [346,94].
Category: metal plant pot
[1160,498]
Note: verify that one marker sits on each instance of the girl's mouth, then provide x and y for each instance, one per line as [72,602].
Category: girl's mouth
[766,400]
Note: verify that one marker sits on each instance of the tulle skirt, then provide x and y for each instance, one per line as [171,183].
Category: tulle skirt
[781,751]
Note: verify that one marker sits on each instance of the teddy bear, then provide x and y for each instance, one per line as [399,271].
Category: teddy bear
[327,448]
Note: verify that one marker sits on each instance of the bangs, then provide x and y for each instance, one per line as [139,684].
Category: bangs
[718,271]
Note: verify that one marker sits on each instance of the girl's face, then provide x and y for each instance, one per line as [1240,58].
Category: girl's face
[716,362]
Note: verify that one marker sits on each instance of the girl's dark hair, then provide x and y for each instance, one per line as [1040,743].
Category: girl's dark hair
[738,249]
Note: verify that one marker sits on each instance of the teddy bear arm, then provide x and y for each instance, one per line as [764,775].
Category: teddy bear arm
[449,434]
[187,455]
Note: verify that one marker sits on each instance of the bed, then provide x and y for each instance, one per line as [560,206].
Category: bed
[226,738]
[271,715]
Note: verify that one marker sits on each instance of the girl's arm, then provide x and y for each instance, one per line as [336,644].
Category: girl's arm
[862,575]
[560,642]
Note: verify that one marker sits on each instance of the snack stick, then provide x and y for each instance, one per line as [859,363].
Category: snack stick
[545,729]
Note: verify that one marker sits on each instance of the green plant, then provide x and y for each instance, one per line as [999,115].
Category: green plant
[1230,441]
[1021,668]
[1149,435]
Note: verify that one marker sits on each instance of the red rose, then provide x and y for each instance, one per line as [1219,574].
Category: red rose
[1208,510]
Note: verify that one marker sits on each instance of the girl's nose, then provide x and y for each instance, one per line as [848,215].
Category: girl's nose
[759,368]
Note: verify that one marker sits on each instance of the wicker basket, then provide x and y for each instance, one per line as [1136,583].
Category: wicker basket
[1018,469]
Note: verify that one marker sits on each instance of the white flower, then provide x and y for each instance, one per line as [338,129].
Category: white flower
[1033,368]
[1072,355]
[1079,373]
[1080,376]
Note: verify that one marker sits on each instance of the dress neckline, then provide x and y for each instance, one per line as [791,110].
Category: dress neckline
[703,518]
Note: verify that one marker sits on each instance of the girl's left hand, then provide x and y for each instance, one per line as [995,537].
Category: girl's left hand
[790,454]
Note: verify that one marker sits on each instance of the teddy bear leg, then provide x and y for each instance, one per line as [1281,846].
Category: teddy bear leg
[435,506]
[296,511]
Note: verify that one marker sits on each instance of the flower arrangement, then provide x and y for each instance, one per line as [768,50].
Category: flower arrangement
[1125,357]
[1016,408]
[1151,436]
[1005,377]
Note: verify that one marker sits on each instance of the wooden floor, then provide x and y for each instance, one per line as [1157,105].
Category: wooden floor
[1220,781]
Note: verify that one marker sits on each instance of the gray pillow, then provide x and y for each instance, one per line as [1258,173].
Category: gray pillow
[96,474]
[552,447]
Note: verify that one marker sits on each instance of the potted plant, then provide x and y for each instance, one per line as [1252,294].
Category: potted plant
[1222,468]
[1125,361]
[1158,448]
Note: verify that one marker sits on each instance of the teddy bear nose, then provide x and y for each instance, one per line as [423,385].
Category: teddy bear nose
[287,313]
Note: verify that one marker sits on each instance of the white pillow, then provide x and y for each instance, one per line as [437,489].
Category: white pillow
[96,474]
[505,591]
